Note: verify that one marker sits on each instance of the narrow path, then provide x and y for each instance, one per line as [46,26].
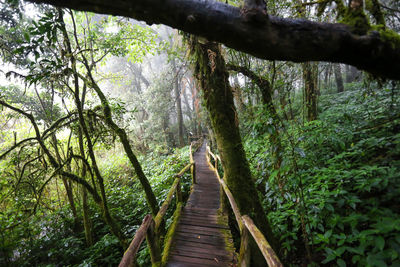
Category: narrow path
[203,237]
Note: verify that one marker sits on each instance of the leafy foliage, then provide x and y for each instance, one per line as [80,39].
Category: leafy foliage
[342,180]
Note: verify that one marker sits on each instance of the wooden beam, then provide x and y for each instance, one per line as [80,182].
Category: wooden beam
[170,235]
[267,37]
[185,169]
[128,260]
[164,207]
[232,201]
[268,253]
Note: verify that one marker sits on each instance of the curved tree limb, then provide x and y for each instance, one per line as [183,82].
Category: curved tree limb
[51,158]
[149,194]
[16,145]
[297,40]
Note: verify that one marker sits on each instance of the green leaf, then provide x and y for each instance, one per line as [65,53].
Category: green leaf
[380,242]
[341,263]
[328,234]
[27,37]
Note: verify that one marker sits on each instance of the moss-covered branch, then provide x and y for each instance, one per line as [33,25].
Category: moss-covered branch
[297,40]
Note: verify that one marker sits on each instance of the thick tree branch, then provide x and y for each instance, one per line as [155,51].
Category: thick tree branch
[263,84]
[295,40]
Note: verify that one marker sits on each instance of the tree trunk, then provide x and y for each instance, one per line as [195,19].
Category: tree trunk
[338,78]
[87,225]
[266,97]
[327,75]
[114,227]
[178,105]
[67,185]
[352,74]
[213,79]
[310,77]
[237,94]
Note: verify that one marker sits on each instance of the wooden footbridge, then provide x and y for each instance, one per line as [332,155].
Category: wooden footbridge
[199,234]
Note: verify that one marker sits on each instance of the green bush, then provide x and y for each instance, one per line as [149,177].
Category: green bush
[341,174]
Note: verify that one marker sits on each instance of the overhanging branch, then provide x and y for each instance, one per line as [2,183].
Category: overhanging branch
[295,40]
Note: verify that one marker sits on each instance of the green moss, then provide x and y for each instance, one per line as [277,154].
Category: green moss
[374,8]
[222,220]
[388,35]
[340,7]
[357,20]
[171,233]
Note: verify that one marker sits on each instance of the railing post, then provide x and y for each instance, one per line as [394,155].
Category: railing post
[193,173]
[178,192]
[244,253]
[153,242]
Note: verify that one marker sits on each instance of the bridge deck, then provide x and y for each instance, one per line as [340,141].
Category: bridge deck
[203,237]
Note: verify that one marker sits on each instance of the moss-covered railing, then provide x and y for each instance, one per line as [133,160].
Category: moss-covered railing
[246,224]
[150,227]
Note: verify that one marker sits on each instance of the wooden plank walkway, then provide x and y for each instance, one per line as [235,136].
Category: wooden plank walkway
[203,237]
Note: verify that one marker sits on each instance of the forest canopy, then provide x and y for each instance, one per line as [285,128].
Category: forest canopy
[299,100]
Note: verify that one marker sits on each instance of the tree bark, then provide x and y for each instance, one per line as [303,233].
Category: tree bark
[266,92]
[352,74]
[338,78]
[213,79]
[297,40]
[310,78]
[178,104]
[67,185]
[149,194]
[114,227]
[87,225]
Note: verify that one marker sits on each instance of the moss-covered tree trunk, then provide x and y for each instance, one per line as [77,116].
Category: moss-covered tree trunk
[265,87]
[310,77]
[178,105]
[114,226]
[338,78]
[123,137]
[213,79]
[67,185]
[87,225]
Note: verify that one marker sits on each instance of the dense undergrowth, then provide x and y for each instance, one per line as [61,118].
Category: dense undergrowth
[51,240]
[340,200]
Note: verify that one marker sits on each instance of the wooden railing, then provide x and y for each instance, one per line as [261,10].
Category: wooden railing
[246,224]
[150,227]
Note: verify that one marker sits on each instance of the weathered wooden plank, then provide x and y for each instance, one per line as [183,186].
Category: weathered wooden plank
[202,237]
[203,255]
[216,251]
[204,224]
[204,262]
[217,242]
[199,229]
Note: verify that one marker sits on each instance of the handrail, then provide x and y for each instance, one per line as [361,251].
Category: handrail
[167,201]
[246,225]
[150,227]
[129,255]
[267,251]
